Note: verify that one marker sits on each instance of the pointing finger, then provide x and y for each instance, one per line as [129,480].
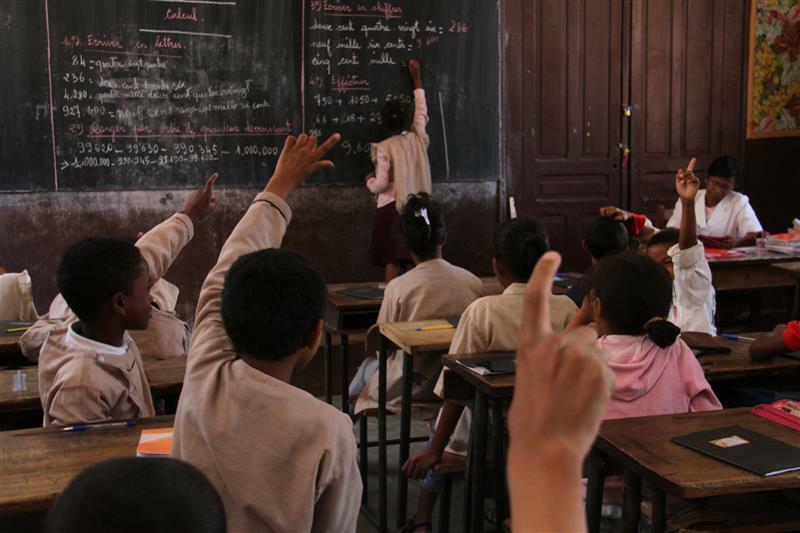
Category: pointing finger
[536,308]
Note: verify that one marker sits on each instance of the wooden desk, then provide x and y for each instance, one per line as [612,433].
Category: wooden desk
[37,464]
[754,270]
[738,365]
[165,377]
[793,271]
[9,347]
[488,393]
[643,447]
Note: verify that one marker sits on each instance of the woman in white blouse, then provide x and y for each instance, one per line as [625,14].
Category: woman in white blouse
[722,213]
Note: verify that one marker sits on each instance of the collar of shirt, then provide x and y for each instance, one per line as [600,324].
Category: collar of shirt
[515,288]
[79,342]
[432,263]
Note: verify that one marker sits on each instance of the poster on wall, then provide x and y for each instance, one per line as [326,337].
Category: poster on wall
[773,99]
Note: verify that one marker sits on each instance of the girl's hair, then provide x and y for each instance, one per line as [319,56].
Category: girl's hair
[394,116]
[635,295]
[519,244]
[422,224]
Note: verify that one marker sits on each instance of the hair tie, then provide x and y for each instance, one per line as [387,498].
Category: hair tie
[422,213]
[652,321]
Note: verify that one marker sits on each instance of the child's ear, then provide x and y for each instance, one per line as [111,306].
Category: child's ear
[118,303]
[314,337]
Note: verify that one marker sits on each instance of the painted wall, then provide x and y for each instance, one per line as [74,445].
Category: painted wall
[331,226]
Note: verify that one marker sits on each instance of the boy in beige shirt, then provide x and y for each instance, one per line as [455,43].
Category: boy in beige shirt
[91,370]
[281,459]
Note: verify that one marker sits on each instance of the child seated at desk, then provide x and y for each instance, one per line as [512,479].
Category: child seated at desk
[91,369]
[166,335]
[656,372]
[281,459]
[432,289]
[134,495]
[489,324]
[783,339]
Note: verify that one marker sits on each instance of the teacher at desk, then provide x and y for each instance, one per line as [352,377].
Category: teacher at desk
[725,218]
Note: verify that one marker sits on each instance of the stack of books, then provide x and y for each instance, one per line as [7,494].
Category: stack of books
[788,243]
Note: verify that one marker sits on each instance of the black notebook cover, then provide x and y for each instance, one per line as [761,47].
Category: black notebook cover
[744,448]
[364,293]
[493,366]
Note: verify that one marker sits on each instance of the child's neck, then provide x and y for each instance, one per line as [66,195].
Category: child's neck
[282,370]
[437,254]
[107,333]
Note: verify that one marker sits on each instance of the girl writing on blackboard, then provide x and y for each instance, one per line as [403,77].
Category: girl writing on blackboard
[401,168]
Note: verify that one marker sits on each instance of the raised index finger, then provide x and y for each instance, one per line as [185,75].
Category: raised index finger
[690,166]
[325,147]
[211,181]
[536,309]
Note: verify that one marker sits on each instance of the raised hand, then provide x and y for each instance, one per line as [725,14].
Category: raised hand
[614,212]
[199,204]
[300,158]
[416,73]
[562,386]
[686,183]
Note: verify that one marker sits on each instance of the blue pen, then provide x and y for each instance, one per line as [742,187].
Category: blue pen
[734,337]
[103,425]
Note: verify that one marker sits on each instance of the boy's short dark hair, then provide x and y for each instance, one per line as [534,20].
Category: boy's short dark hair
[725,167]
[420,237]
[519,244]
[95,269]
[128,495]
[271,300]
[606,236]
[669,236]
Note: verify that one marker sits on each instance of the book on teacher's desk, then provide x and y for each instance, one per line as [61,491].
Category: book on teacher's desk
[491,365]
[744,448]
[783,412]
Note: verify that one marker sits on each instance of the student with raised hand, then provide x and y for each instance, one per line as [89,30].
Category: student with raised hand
[137,495]
[548,440]
[281,459]
[401,168]
[722,215]
[680,252]
[433,289]
[91,370]
[489,324]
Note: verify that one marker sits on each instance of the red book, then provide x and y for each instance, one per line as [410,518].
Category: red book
[783,412]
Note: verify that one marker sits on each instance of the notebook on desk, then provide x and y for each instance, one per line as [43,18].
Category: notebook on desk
[364,293]
[494,365]
[744,448]
[155,442]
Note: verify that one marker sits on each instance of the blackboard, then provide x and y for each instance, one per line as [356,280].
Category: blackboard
[150,94]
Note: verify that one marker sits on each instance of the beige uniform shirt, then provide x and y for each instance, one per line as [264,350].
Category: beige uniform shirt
[491,324]
[90,385]
[432,289]
[280,459]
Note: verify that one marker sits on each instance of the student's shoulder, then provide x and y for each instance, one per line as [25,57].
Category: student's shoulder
[81,370]
[738,199]
[323,417]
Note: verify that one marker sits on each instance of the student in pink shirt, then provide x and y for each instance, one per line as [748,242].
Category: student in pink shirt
[656,371]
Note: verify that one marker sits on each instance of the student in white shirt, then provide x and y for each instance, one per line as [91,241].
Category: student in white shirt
[684,257]
[721,212]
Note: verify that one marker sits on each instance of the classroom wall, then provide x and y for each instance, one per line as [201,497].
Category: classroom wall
[331,226]
[772,180]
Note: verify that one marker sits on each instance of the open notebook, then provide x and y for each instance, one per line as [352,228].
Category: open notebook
[156,442]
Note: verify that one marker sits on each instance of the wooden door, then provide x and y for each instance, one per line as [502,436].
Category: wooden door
[569,116]
[686,86]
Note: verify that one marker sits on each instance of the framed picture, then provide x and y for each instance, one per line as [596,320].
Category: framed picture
[773,86]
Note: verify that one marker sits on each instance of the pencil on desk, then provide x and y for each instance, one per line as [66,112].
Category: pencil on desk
[18,330]
[432,328]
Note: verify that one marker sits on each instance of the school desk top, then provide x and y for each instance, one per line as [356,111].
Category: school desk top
[753,270]
[37,464]
[405,335]
[792,269]
[164,375]
[501,386]
[644,445]
[738,365]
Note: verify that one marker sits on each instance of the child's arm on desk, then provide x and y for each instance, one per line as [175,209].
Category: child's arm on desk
[784,338]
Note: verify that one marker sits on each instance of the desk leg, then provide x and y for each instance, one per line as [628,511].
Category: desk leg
[632,506]
[345,374]
[383,502]
[659,511]
[328,370]
[594,470]
[796,302]
[500,485]
[405,436]
[480,419]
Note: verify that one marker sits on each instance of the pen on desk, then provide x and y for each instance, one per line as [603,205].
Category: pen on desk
[17,330]
[102,425]
[432,328]
[734,337]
